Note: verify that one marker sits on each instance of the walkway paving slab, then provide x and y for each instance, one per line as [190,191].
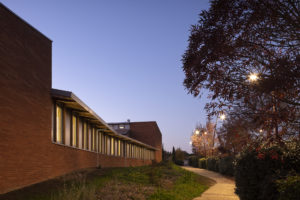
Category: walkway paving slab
[222,190]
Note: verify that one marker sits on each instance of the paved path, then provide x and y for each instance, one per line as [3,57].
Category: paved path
[222,190]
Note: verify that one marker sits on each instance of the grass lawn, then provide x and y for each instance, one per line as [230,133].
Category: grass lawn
[161,181]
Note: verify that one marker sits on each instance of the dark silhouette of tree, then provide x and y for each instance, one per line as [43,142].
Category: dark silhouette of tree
[173,155]
[237,38]
[236,133]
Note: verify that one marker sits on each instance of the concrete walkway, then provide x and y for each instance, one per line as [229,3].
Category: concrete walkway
[222,190]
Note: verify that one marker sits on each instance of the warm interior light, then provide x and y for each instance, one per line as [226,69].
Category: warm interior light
[190,142]
[197,132]
[205,133]
[253,77]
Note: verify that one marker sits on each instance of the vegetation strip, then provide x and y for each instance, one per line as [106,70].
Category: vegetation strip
[160,181]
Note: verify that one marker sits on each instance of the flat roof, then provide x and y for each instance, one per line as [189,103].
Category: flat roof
[72,101]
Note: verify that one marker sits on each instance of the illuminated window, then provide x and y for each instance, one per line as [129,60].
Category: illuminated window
[107,145]
[93,139]
[116,147]
[59,124]
[74,131]
[103,144]
[112,146]
[119,147]
[127,150]
[99,142]
[121,126]
[85,141]
[132,151]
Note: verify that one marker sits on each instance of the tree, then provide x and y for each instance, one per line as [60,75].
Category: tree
[173,155]
[179,156]
[236,133]
[237,38]
[202,139]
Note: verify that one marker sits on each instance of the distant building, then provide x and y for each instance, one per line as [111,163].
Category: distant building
[47,132]
[146,132]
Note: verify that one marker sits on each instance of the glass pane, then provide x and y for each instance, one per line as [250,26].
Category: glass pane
[112,146]
[74,131]
[84,135]
[58,124]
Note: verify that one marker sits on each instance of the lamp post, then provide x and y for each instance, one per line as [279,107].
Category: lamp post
[222,117]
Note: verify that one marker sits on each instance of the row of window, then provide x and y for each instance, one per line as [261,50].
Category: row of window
[75,131]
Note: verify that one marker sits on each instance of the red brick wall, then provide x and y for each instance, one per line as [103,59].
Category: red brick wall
[148,133]
[27,154]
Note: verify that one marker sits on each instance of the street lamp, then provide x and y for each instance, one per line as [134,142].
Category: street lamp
[222,117]
[253,77]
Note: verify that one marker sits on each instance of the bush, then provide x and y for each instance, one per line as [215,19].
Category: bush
[257,170]
[193,161]
[179,162]
[213,164]
[226,165]
[255,175]
[289,188]
[202,163]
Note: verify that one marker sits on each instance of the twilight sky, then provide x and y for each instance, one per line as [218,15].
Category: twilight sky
[123,58]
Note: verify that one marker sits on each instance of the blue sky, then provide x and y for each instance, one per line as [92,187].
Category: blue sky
[123,58]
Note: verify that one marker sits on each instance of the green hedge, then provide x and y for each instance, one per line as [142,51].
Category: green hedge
[226,165]
[258,170]
[213,164]
[289,188]
[193,161]
[202,163]
[179,162]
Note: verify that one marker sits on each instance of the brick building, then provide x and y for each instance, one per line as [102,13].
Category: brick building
[146,132]
[47,132]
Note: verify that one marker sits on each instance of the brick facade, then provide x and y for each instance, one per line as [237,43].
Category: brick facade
[27,153]
[148,133]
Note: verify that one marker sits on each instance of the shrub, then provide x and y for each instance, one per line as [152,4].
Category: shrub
[193,161]
[258,170]
[226,165]
[202,163]
[179,162]
[256,174]
[289,188]
[212,164]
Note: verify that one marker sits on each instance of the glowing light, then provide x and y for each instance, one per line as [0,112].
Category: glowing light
[253,77]
[260,130]
[205,133]
[197,132]
[223,117]
[191,142]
